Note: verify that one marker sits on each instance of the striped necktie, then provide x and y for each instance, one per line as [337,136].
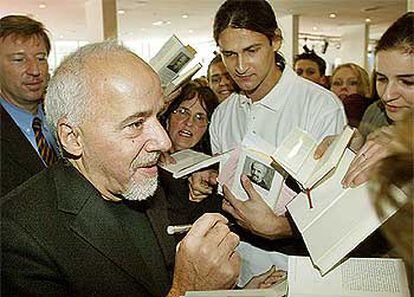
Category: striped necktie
[46,152]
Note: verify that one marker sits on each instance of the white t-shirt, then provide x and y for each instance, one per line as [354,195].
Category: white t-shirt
[293,102]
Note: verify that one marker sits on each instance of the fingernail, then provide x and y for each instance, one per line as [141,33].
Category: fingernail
[244,177]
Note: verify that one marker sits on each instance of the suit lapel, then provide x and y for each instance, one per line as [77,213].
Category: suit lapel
[98,226]
[158,216]
[14,141]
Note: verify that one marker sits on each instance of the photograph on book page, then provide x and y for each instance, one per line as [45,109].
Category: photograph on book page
[266,180]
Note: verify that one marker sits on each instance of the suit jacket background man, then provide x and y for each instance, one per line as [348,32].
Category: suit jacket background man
[24,47]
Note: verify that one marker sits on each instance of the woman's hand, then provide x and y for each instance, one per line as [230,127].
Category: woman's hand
[266,279]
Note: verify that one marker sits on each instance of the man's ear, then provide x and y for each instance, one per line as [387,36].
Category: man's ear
[70,138]
[277,40]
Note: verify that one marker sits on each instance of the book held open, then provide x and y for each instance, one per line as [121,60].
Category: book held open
[170,60]
[339,220]
[355,277]
[189,161]
[295,155]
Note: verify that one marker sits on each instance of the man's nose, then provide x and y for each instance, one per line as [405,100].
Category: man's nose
[32,67]
[241,64]
[159,140]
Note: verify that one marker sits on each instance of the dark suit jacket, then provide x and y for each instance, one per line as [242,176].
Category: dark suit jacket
[180,209]
[60,239]
[19,160]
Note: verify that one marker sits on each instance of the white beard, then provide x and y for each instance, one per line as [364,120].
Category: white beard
[141,191]
[146,186]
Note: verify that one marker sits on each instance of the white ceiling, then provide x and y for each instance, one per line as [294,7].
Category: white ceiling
[66,18]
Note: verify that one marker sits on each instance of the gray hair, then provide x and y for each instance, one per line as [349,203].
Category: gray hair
[69,90]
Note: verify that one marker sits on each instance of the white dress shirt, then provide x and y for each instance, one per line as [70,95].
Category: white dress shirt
[293,102]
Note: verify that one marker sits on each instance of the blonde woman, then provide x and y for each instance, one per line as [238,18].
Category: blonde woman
[351,84]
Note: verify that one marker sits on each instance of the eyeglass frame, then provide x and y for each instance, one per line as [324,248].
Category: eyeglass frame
[184,113]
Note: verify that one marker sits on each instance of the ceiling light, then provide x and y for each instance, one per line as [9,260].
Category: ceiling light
[42,5]
[157,23]
[167,22]
[314,28]
[332,15]
[368,20]
[61,36]
[121,11]
[190,31]
[185,16]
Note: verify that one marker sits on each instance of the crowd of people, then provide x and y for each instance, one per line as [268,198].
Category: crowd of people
[85,205]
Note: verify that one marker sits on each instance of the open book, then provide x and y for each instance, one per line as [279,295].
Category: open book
[252,158]
[181,79]
[295,155]
[355,277]
[170,60]
[189,161]
[339,219]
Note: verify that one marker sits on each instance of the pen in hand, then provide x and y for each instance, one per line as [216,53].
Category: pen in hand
[178,229]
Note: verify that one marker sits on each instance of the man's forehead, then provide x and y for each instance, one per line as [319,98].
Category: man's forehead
[17,39]
[244,39]
[308,63]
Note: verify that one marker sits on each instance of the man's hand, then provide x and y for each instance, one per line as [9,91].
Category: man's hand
[254,214]
[202,184]
[206,258]
[375,148]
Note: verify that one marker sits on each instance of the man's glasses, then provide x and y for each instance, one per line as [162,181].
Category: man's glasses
[199,119]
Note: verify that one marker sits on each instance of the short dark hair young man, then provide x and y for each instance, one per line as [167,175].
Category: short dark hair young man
[310,66]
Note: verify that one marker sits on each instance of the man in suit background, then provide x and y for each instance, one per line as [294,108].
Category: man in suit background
[93,224]
[27,146]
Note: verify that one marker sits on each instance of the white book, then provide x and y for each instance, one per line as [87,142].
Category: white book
[266,179]
[355,277]
[295,155]
[171,59]
[334,220]
[181,79]
[189,161]
[252,156]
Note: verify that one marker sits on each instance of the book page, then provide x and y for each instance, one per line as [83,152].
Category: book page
[181,79]
[331,157]
[255,261]
[295,154]
[189,161]
[170,59]
[184,159]
[339,220]
[356,277]
[167,51]
[199,165]
[272,292]
[266,180]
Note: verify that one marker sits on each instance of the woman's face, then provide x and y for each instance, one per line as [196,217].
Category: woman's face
[344,83]
[187,124]
[395,81]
